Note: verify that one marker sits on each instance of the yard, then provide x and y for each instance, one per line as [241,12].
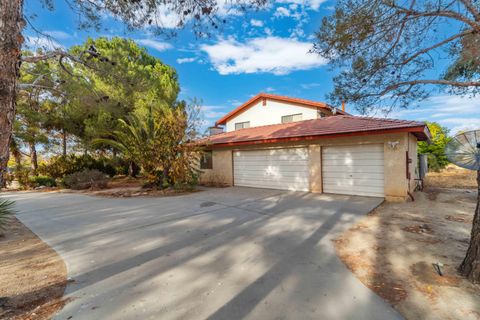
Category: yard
[393,250]
[241,252]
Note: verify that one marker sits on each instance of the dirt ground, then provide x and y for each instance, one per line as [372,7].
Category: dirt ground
[452,177]
[32,276]
[394,249]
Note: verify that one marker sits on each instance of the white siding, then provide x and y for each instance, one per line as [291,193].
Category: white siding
[260,115]
[356,170]
[285,169]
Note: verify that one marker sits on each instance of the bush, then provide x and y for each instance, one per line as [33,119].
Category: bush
[59,167]
[37,181]
[6,211]
[21,174]
[86,179]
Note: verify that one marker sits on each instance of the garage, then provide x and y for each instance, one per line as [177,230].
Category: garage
[354,170]
[285,168]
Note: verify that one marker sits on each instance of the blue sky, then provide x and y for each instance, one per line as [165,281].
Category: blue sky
[262,51]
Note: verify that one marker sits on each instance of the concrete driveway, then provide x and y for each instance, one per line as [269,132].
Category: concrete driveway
[232,253]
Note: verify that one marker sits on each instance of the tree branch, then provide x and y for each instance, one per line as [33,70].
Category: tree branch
[438,13]
[439,44]
[437,82]
[470,7]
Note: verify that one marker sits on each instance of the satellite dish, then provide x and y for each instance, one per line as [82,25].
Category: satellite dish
[464,150]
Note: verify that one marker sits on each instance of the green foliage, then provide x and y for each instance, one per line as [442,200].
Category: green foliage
[6,211]
[86,102]
[158,141]
[437,159]
[21,174]
[61,166]
[37,181]
[466,67]
[86,179]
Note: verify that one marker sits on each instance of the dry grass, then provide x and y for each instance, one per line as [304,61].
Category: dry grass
[32,276]
[392,251]
[452,177]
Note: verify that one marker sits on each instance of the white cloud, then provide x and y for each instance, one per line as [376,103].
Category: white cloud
[57,34]
[45,43]
[270,55]
[256,23]
[164,16]
[310,4]
[185,60]
[455,112]
[157,45]
[308,86]
[282,12]
[212,112]
[270,89]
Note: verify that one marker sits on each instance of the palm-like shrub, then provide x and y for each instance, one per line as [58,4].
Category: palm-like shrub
[158,140]
[6,212]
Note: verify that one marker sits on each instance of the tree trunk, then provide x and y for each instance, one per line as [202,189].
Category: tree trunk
[33,157]
[11,26]
[64,142]
[470,266]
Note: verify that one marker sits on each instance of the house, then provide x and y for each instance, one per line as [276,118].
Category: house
[280,142]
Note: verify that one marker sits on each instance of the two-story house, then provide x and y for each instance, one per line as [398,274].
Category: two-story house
[294,144]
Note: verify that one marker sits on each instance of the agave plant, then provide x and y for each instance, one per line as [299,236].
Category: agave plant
[6,211]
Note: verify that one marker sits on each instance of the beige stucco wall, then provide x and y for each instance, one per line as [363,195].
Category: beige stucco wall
[222,170]
[395,165]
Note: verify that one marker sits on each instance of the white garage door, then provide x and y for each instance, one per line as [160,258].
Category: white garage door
[356,170]
[285,169]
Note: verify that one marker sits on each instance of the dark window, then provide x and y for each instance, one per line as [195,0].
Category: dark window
[242,125]
[292,118]
[206,160]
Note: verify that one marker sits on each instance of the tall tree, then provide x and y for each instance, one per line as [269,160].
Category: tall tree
[154,14]
[11,26]
[386,51]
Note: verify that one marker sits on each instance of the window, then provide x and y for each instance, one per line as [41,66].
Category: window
[242,125]
[206,160]
[292,118]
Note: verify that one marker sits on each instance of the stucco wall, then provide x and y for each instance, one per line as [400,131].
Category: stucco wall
[395,165]
[271,113]
[221,172]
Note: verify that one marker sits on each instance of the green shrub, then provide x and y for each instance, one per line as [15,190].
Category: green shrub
[435,150]
[21,174]
[6,211]
[37,181]
[59,167]
[86,179]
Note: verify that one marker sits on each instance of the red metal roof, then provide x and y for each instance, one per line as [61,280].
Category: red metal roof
[249,103]
[333,126]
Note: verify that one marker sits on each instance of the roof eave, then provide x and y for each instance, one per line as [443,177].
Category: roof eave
[418,131]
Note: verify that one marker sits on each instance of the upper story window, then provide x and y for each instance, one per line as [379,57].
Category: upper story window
[292,118]
[242,125]
[206,160]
